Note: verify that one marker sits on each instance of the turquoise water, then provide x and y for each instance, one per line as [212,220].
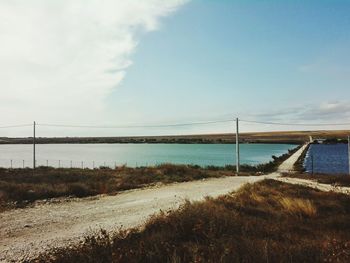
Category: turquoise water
[94,155]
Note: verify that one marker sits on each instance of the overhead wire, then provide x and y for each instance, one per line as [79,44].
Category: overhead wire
[136,126]
[296,124]
[15,126]
[194,123]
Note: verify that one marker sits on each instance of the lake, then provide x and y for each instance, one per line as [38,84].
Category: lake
[95,155]
[327,158]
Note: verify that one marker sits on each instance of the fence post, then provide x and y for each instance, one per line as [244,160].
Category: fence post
[93,164]
[23,163]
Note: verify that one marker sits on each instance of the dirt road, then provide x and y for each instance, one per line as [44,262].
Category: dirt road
[24,233]
[316,185]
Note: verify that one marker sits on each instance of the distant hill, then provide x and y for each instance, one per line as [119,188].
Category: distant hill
[294,137]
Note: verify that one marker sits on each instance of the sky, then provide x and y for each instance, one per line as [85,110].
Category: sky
[154,62]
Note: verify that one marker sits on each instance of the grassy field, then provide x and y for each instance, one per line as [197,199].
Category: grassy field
[266,222]
[20,187]
[297,137]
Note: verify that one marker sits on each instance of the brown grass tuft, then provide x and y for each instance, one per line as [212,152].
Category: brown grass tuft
[298,206]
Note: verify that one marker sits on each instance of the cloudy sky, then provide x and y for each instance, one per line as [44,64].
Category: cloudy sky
[131,62]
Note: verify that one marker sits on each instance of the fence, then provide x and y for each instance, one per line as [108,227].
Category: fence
[59,163]
[93,164]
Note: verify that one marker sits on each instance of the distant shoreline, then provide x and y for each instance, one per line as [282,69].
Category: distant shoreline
[285,137]
[160,142]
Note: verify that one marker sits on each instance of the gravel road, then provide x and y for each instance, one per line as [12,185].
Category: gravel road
[24,233]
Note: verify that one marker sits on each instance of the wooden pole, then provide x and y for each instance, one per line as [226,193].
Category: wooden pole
[34,157]
[237,146]
[349,152]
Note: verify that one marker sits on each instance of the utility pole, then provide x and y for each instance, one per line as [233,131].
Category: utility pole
[34,160]
[237,146]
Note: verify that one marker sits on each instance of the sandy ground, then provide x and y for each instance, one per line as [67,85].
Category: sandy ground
[24,233]
[288,165]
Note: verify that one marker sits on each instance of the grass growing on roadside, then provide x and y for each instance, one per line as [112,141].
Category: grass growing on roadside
[299,165]
[21,186]
[265,222]
[336,180]
[298,206]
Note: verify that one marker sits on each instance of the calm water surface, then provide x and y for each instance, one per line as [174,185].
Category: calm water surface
[138,154]
[327,158]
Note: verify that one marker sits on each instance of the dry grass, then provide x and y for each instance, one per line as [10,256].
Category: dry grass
[299,207]
[264,222]
[294,206]
[19,187]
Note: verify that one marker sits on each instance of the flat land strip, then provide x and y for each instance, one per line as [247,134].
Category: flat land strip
[296,137]
[334,180]
[316,185]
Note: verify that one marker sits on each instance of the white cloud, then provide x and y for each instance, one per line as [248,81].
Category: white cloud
[325,112]
[60,59]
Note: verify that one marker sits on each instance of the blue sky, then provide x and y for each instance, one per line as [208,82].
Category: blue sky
[213,59]
[285,61]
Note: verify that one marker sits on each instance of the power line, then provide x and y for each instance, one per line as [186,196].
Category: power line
[171,125]
[135,126]
[296,124]
[15,126]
